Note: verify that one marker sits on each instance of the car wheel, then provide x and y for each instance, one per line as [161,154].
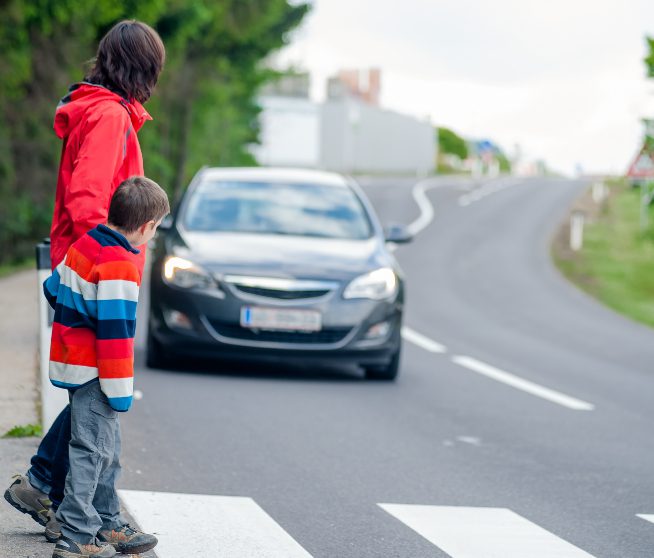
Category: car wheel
[388,372]
[155,354]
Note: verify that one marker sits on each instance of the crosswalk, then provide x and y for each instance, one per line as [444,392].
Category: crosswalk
[196,525]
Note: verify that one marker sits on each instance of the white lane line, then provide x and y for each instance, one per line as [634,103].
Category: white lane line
[465,532]
[646,516]
[426,216]
[522,384]
[422,341]
[197,525]
[487,189]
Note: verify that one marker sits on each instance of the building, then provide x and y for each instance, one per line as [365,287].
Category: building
[347,133]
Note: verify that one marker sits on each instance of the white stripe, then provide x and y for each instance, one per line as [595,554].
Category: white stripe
[113,289]
[522,384]
[422,341]
[483,532]
[75,374]
[426,210]
[70,278]
[646,517]
[196,525]
[117,387]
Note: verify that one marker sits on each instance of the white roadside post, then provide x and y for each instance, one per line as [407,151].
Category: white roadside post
[576,230]
[599,192]
[53,399]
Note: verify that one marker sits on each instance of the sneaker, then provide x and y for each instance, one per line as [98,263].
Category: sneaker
[52,527]
[128,540]
[67,548]
[27,499]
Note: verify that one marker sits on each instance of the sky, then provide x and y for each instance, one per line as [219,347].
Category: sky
[564,79]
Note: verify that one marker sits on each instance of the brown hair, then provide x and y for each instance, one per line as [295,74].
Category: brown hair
[129,60]
[137,201]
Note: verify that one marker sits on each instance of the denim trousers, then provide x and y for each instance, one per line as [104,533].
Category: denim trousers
[90,500]
[49,466]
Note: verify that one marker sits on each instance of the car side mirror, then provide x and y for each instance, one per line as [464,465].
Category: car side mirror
[399,234]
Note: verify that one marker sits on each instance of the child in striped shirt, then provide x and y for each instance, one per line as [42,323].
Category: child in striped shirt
[94,292]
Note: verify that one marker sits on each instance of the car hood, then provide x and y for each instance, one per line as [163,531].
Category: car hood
[282,256]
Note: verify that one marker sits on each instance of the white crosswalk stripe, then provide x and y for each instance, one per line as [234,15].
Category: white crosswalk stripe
[464,532]
[196,525]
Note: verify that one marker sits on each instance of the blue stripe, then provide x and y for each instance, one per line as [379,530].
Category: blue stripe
[70,317]
[51,288]
[76,301]
[120,404]
[64,384]
[116,309]
[115,329]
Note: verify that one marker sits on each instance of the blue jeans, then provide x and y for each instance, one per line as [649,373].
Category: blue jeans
[50,464]
[90,500]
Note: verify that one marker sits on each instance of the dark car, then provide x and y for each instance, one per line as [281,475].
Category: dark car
[276,264]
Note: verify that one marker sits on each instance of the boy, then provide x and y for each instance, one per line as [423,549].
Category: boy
[94,292]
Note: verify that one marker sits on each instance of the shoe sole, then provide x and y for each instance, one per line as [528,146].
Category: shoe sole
[61,553]
[24,508]
[52,536]
[140,549]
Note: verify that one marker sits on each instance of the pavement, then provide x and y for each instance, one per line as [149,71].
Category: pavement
[20,536]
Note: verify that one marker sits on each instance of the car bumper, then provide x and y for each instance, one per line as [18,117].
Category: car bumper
[213,329]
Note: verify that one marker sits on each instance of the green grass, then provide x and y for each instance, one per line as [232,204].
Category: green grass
[616,263]
[26,431]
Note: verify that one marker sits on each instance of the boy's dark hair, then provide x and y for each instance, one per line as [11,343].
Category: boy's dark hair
[129,60]
[135,202]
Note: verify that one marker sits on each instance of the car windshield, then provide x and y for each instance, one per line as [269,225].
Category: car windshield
[277,208]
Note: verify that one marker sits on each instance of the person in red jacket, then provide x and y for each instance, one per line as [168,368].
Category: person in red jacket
[98,121]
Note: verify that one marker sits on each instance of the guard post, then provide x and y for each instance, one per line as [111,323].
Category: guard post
[53,399]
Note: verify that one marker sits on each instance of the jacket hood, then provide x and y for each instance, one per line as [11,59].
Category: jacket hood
[84,97]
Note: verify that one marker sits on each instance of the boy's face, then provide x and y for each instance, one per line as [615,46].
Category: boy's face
[147,231]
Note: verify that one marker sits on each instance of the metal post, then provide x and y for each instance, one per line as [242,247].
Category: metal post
[577,230]
[53,399]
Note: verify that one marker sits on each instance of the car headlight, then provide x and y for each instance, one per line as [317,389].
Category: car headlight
[183,273]
[376,285]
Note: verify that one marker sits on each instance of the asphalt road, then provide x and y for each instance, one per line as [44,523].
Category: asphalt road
[534,398]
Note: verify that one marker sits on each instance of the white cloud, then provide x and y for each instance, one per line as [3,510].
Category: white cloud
[564,78]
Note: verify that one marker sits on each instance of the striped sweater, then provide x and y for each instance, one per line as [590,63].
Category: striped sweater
[94,292]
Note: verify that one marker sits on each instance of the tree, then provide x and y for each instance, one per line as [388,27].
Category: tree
[450,143]
[204,108]
[649,60]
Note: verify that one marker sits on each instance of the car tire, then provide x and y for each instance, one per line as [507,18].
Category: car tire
[155,354]
[385,373]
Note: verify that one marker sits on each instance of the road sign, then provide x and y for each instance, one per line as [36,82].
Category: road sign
[643,165]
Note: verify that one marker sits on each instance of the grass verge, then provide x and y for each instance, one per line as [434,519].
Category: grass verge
[616,263]
[9,268]
[26,431]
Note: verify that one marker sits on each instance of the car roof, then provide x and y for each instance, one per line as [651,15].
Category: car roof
[275,174]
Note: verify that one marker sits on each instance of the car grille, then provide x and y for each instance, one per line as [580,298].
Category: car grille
[283,295]
[324,336]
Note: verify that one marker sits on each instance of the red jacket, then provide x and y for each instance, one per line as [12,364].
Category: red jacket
[100,150]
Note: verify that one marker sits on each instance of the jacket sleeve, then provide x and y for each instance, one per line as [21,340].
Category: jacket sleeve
[100,156]
[51,288]
[118,291]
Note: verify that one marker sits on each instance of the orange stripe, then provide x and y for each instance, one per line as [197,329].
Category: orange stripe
[116,367]
[124,270]
[79,263]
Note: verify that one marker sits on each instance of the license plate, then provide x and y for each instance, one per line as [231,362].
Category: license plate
[256,317]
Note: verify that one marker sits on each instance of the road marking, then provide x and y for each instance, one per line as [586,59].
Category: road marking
[422,341]
[426,216]
[197,525]
[646,516]
[482,532]
[522,384]
[487,189]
